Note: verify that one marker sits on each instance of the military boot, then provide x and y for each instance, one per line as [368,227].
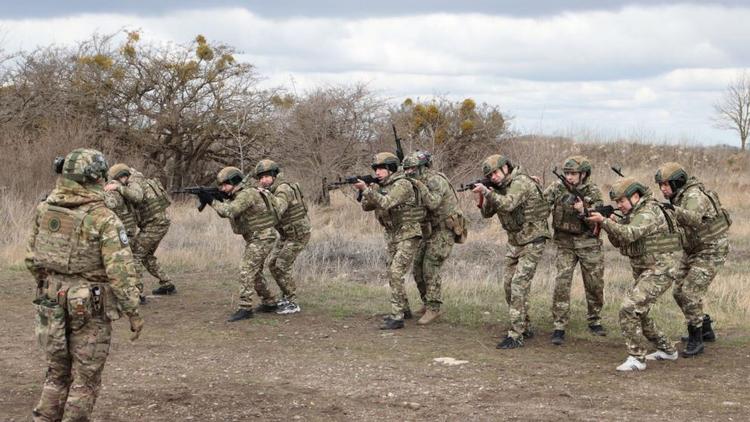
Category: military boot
[708,332]
[241,314]
[408,314]
[165,289]
[558,337]
[267,308]
[429,316]
[694,345]
[142,300]
[390,323]
[597,330]
[509,343]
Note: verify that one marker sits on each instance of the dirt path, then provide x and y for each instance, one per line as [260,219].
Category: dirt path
[191,365]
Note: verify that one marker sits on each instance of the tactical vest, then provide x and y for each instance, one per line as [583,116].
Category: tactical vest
[61,245]
[565,218]
[155,200]
[533,209]
[296,210]
[126,214]
[657,242]
[439,215]
[404,213]
[250,222]
[711,229]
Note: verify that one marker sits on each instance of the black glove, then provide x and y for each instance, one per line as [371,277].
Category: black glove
[205,198]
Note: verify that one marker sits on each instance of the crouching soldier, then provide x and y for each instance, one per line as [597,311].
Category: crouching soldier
[252,214]
[398,209]
[699,213]
[648,235]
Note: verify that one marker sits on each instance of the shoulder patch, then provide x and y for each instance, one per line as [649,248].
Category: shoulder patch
[123,237]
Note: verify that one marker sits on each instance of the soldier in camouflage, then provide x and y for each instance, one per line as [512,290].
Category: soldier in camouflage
[252,214]
[293,227]
[397,206]
[86,278]
[444,224]
[576,242]
[149,201]
[648,235]
[705,222]
[522,210]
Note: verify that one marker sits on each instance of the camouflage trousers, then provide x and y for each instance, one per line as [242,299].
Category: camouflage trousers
[519,266]
[400,258]
[144,246]
[251,273]
[696,272]
[592,271]
[281,262]
[74,375]
[432,253]
[651,281]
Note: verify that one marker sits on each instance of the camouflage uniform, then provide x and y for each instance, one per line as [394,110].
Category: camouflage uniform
[398,209]
[78,251]
[251,213]
[124,210]
[522,210]
[575,244]
[648,238]
[443,217]
[294,234]
[699,213]
[149,200]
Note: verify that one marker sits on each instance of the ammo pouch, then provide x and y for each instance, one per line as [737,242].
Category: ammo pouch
[459,226]
[79,305]
[50,327]
[512,222]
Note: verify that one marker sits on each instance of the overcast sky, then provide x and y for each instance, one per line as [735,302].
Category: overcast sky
[643,69]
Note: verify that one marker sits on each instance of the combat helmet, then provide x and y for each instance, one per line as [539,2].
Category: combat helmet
[266,166]
[85,165]
[625,187]
[118,170]
[578,164]
[385,160]
[416,161]
[672,173]
[231,175]
[494,162]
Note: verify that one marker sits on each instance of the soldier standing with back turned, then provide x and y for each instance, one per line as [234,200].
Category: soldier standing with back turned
[699,213]
[78,253]
[395,201]
[577,242]
[522,210]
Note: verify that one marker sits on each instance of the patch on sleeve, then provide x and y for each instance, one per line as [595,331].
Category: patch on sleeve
[433,185]
[123,237]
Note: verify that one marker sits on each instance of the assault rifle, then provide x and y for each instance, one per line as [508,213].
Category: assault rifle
[203,192]
[399,149]
[350,180]
[575,193]
[471,185]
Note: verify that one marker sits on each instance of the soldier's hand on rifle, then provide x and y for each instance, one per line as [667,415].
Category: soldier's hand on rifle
[537,179]
[595,217]
[111,186]
[480,189]
[136,326]
[360,185]
[578,205]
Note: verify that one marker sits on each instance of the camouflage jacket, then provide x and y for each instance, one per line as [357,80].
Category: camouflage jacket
[397,207]
[75,237]
[147,197]
[570,229]
[291,207]
[700,214]
[124,210]
[251,213]
[646,233]
[440,198]
[521,208]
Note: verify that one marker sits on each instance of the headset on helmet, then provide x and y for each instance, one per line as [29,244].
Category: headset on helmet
[385,160]
[85,165]
[231,175]
[672,173]
[266,167]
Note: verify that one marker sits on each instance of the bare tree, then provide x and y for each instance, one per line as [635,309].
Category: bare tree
[733,110]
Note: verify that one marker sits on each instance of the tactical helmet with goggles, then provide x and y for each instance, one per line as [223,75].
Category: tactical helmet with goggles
[385,160]
[231,175]
[266,167]
[672,173]
[494,162]
[85,165]
[626,187]
[118,170]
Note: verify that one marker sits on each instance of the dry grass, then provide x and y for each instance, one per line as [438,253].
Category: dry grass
[342,269]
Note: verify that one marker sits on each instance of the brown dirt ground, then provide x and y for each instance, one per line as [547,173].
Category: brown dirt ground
[192,365]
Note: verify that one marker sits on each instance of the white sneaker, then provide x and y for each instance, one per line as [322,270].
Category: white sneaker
[289,308]
[662,355]
[632,364]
